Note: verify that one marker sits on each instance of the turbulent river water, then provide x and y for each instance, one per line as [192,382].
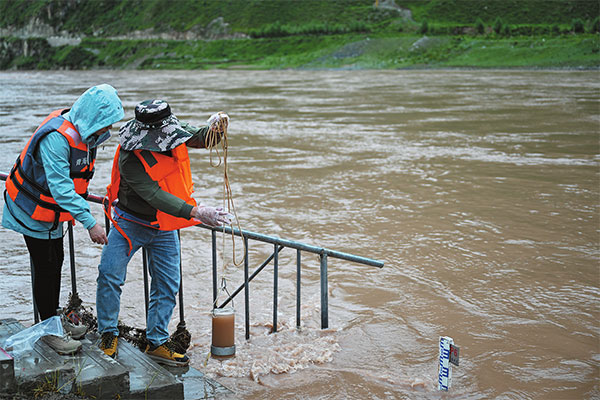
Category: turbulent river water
[478,189]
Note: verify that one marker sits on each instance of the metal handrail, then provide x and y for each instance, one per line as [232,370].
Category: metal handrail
[279,244]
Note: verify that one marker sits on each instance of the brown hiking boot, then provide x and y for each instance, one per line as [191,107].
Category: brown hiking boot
[108,344]
[165,354]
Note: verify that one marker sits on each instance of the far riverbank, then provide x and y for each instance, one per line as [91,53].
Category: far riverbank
[345,51]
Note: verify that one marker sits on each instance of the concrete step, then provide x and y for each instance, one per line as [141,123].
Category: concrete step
[147,379]
[97,375]
[150,380]
[39,364]
[7,372]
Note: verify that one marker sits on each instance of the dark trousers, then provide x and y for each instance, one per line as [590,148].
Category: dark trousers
[47,257]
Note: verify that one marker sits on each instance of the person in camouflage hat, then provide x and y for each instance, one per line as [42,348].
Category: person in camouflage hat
[154,128]
[152,184]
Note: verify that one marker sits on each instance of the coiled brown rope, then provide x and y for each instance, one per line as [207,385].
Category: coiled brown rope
[217,131]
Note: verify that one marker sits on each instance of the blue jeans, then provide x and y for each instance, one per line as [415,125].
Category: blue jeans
[163,265]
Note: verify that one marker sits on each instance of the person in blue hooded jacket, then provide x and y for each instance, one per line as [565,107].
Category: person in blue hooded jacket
[48,185]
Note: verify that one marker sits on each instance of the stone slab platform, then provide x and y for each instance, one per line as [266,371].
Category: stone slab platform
[132,375]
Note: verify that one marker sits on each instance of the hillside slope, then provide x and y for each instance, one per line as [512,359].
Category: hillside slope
[79,34]
[119,17]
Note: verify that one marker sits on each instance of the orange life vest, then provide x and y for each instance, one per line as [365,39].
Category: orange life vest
[173,175]
[27,185]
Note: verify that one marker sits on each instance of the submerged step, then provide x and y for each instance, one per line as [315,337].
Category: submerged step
[198,386]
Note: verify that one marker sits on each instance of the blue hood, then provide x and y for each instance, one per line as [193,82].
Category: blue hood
[97,108]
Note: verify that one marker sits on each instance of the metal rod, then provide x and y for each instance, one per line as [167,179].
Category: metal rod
[298,267]
[36,314]
[145,272]
[214,267]
[324,294]
[263,265]
[246,290]
[72,258]
[275,284]
[181,317]
[106,224]
[297,245]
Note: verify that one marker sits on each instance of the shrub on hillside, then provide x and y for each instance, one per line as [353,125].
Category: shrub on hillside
[578,26]
[479,26]
[498,25]
[595,25]
[74,57]
[314,28]
[359,26]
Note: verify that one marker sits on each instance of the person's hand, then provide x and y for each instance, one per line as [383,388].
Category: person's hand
[218,121]
[98,235]
[211,216]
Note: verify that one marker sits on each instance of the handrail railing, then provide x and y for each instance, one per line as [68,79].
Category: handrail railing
[278,243]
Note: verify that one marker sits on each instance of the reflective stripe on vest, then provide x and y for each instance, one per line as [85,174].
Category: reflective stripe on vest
[27,185]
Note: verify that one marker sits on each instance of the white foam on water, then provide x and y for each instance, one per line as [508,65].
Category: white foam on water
[286,351]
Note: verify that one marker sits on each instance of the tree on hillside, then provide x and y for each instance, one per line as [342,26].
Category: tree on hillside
[578,26]
[595,27]
[479,26]
[498,25]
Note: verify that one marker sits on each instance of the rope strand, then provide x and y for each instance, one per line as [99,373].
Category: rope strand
[211,143]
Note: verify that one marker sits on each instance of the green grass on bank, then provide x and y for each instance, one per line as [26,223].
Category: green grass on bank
[350,51]
[577,52]
[335,51]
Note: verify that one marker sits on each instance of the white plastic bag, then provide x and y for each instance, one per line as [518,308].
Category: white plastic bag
[24,341]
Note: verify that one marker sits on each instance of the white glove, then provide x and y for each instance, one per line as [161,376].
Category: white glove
[217,120]
[212,216]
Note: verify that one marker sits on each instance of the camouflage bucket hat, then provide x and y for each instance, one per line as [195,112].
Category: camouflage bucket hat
[154,128]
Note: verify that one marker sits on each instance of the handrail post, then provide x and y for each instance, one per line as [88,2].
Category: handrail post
[106,224]
[181,316]
[36,314]
[145,272]
[246,289]
[214,267]
[298,267]
[324,294]
[275,278]
[72,258]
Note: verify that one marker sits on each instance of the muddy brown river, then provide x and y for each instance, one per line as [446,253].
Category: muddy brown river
[479,190]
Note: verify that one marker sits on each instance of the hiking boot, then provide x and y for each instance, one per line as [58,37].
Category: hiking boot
[108,344]
[72,324]
[64,345]
[165,354]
